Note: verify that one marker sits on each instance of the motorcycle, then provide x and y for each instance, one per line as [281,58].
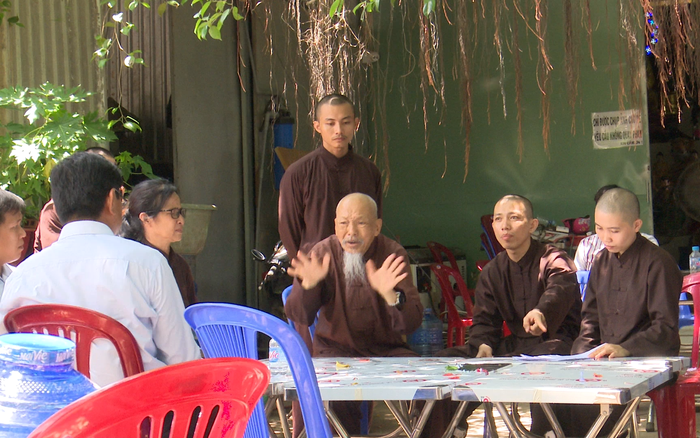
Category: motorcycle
[276,279]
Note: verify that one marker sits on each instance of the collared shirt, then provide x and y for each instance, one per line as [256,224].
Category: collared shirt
[6,271]
[632,301]
[91,267]
[591,246]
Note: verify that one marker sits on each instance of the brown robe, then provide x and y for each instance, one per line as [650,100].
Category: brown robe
[544,279]
[356,321]
[632,301]
[311,189]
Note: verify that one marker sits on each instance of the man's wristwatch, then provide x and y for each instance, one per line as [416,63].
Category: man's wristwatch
[400,299]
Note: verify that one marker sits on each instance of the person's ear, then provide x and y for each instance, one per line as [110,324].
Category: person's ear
[534,224]
[143,217]
[637,225]
[379,228]
[317,126]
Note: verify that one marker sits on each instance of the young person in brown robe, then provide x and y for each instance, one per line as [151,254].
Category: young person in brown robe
[530,286]
[631,304]
[312,186]
[359,284]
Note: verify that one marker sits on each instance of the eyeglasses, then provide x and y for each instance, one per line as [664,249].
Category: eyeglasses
[175,213]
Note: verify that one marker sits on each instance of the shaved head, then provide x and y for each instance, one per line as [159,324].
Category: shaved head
[621,202]
[526,203]
[357,200]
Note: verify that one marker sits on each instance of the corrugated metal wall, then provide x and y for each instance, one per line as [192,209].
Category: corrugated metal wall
[55,45]
[145,90]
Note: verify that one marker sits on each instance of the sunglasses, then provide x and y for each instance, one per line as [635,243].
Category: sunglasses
[175,213]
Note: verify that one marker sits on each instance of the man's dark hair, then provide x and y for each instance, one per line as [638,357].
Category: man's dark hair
[333,99]
[80,185]
[147,197]
[529,211]
[602,190]
[9,203]
[100,150]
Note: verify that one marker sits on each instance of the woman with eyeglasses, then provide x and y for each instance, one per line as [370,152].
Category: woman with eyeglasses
[155,217]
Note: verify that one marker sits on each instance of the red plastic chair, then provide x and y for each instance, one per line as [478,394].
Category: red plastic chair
[675,404]
[456,324]
[82,326]
[209,397]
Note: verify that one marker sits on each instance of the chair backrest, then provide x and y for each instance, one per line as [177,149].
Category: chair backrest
[209,397]
[443,274]
[82,326]
[285,294]
[226,330]
[438,251]
[691,285]
[487,226]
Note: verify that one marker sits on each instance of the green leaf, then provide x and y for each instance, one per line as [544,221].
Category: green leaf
[205,6]
[162,8]
[214,32]
[336,6]
[133,4]
[235,14]
[428,7]
[223,17]
[220,5]
[146,5]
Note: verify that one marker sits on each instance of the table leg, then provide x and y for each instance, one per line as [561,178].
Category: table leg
[599,422]
[625,418]
[335,421]
[455,419]
[403,422]
[510,424]
[282,412]
[549,413]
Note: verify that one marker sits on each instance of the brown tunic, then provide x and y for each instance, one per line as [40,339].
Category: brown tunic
[543,279]
[311,189]
[183,275]
[632,301]
[356,320]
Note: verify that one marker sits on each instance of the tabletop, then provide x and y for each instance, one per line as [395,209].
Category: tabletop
[486,379]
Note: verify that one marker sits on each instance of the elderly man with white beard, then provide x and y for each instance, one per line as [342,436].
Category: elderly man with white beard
[359,284]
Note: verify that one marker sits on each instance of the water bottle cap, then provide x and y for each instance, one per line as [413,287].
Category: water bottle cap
[36,349]
[696,248]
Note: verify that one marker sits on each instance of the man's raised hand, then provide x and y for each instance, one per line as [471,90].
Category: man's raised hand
[534,323]
[385,279]
[309,269]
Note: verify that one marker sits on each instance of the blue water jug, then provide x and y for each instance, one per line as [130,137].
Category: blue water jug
[36,380]
[427,339]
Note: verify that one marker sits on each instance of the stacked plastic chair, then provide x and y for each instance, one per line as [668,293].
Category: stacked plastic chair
[201,398]
[230,330]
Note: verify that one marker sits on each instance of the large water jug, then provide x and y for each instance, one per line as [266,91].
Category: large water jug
[36,380]
[427,339]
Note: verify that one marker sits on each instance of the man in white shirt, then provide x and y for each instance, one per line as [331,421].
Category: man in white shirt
[11,233]
[91,267]
[591,245]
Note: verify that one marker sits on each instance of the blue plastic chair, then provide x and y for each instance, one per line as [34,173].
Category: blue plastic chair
[285,294]
[685,316]
[230,330]
[582,277]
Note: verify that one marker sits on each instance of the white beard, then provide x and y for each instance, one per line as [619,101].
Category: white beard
[353,268]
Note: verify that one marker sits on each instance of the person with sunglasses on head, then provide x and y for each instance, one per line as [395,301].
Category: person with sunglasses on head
[155,217]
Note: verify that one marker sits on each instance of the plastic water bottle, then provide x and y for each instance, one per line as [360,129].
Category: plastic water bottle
[36,380]
[427,339]
[276,354]
[694,260]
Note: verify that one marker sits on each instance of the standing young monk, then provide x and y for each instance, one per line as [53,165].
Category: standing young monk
[312,187]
